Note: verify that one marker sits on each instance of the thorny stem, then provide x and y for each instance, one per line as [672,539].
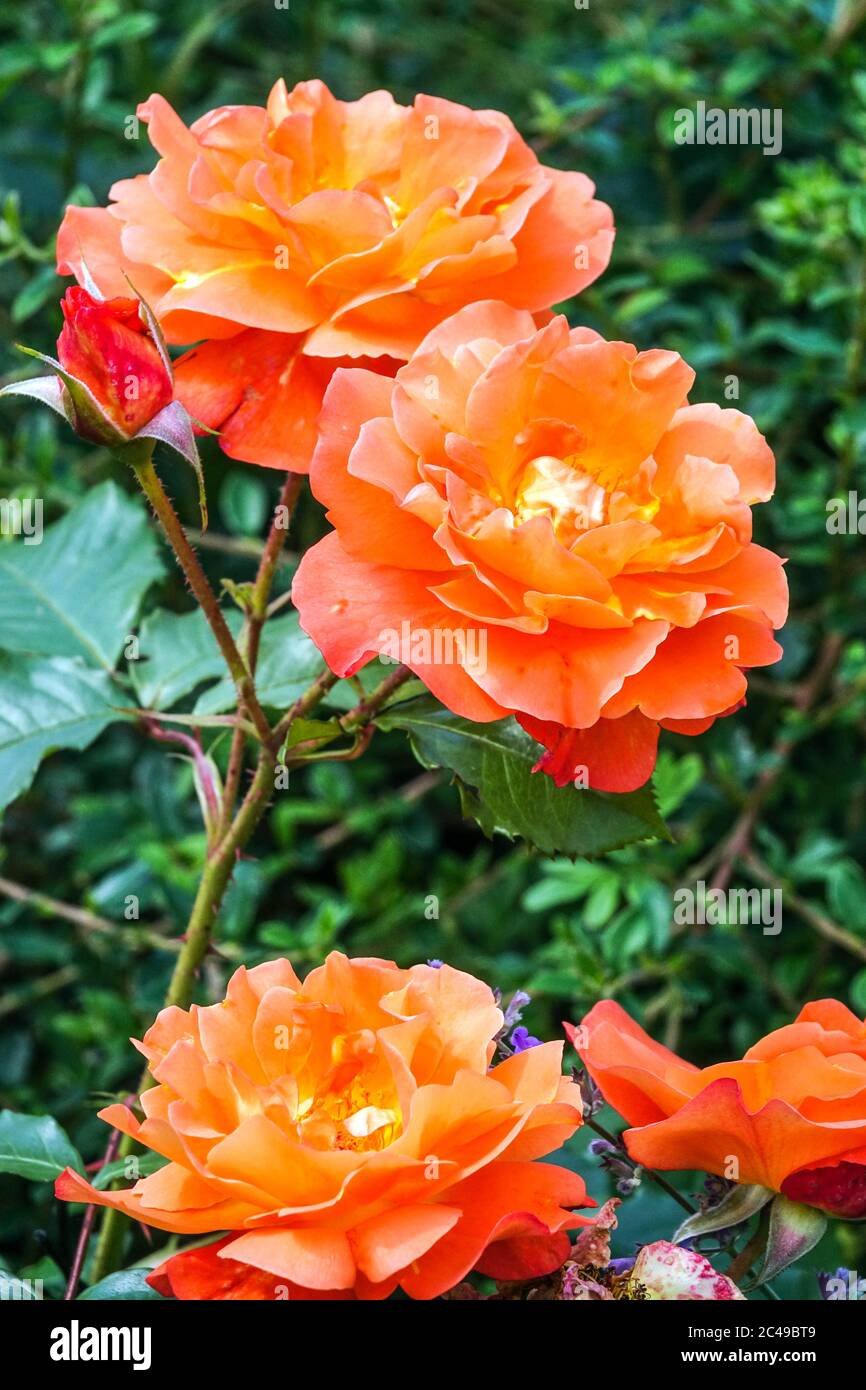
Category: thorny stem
[357,721]
[257,615]
[236,828]
[214,881]
[306,702]
[87,1226]
[268,566]
[204,594]
[234,833]
[363,712]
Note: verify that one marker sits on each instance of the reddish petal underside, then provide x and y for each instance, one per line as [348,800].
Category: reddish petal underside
[614,755]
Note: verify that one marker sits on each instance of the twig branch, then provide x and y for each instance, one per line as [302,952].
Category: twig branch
[87,1226]
[257,616]
[817,920]
[738,842]
[84,920]
[244,547]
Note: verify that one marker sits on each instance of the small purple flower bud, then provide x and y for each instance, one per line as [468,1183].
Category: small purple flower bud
[521,1040]
[626,1186]
[593,1101]
[514,1012]
[601,1146]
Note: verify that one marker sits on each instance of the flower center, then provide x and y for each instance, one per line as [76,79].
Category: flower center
[573,500]
[355,1106]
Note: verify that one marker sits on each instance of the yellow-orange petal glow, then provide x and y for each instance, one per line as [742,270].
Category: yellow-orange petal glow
[552,501]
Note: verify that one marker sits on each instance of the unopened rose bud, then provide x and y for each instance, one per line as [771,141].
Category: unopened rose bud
[112,381]
[107,345]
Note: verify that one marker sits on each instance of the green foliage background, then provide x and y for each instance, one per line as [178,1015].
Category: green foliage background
[753,267]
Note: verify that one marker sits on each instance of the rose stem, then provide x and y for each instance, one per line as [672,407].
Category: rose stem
[87,1226]
[195,576]
[257,615]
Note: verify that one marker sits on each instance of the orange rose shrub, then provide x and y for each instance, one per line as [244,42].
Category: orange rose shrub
[792,1113]
[288,238]
[351,1135]
[550,504]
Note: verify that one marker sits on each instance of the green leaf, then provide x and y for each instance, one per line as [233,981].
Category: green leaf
[241,595]
[857,992]
[43,285]
[124,29]
[78,593]
[739,1204]
[177,652]
[243,503]
[35,1147]
[643,302]
[45,1272]
[846,890]
[561,882]
[47,704]
[794,1230]
[493,764]
[805,339]
[675,778]
[288,664]
[306,730]
[127,1284]
[601,903]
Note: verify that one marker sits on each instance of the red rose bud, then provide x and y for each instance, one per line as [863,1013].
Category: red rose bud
[106,345]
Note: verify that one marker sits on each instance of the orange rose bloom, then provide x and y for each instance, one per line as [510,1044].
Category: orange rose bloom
[792,1113]
[350,1134]
[290,237]
[552,497]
